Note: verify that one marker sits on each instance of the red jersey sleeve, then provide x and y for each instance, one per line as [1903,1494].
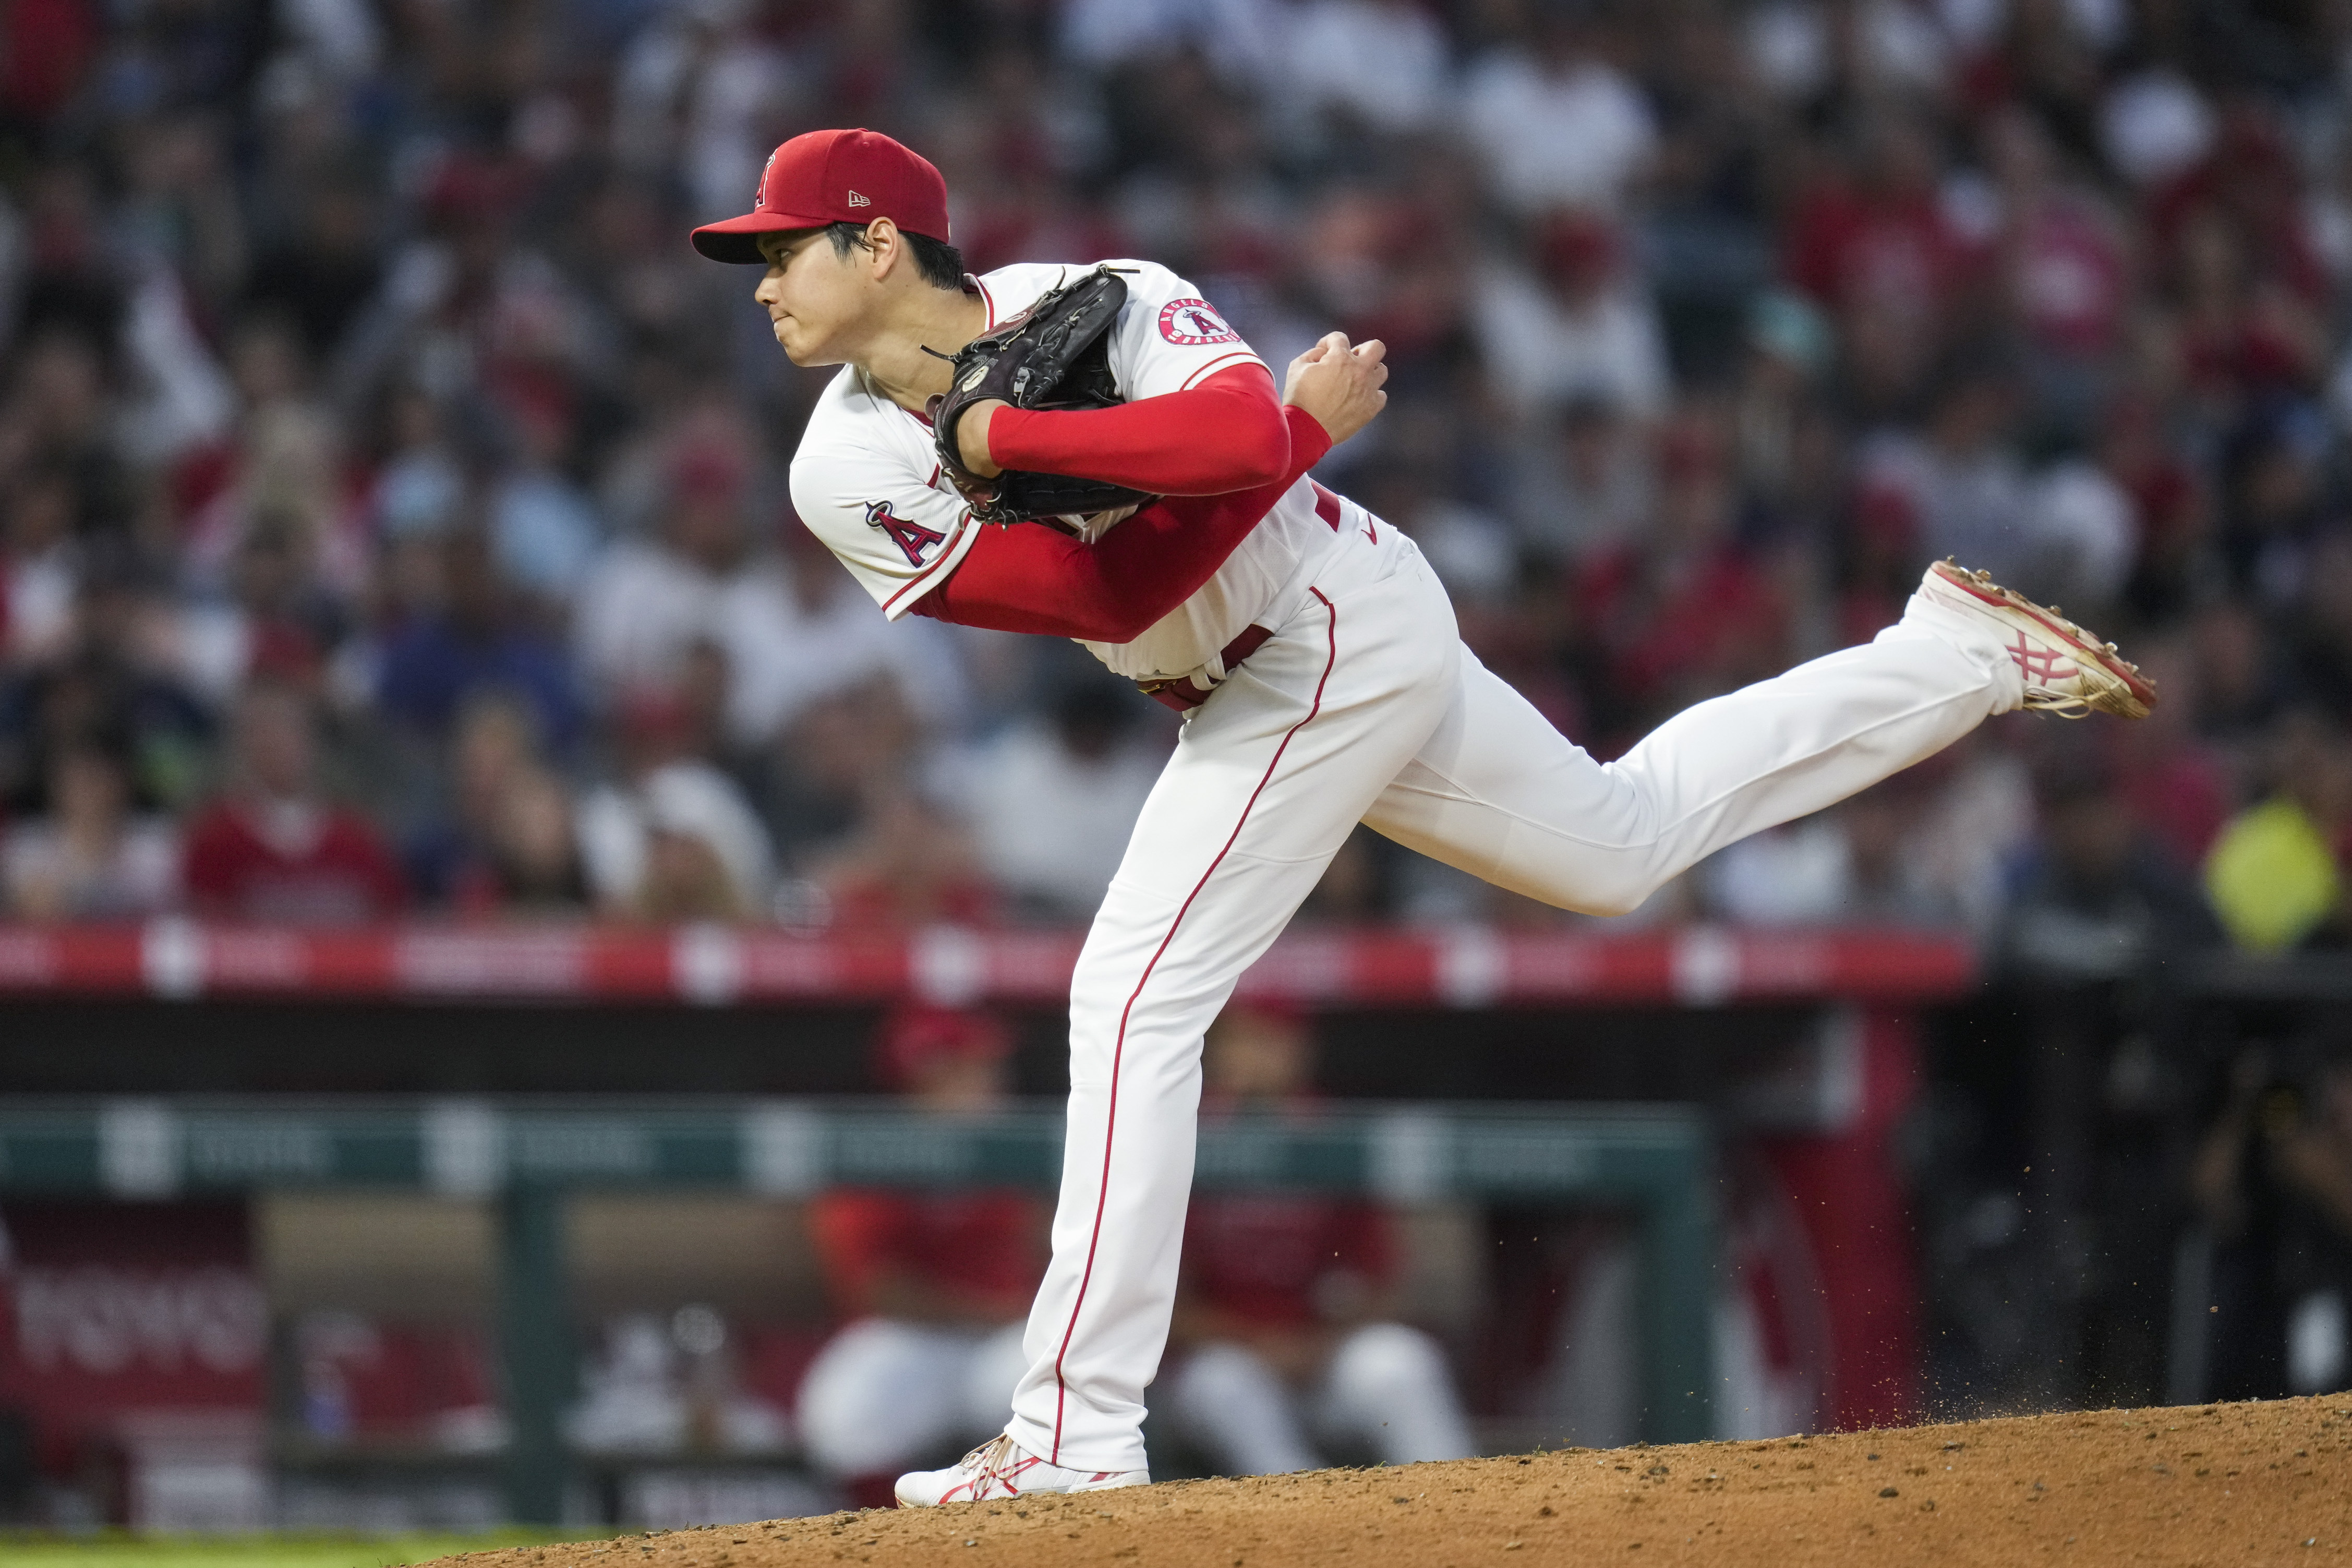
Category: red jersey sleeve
[1227,434]
[1027,578]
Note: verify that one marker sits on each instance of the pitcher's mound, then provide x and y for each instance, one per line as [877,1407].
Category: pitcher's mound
[2225,1485]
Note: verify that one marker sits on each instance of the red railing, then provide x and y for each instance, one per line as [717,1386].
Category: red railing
[177,959]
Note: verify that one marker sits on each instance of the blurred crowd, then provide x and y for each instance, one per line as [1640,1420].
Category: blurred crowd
[392,504]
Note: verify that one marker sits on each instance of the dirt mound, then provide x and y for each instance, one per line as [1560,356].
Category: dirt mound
[2225,1485]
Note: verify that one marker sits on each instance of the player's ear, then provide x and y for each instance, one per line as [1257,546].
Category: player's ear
[884,247]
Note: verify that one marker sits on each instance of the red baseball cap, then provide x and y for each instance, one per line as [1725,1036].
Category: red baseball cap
[834,176]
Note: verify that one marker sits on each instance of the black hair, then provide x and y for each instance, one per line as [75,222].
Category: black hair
[941,264]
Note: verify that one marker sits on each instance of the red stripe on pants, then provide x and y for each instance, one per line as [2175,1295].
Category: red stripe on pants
[1118,1049]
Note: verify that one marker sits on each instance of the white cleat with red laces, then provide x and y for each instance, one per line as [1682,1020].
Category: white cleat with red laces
[1001,1470]
[2068,671]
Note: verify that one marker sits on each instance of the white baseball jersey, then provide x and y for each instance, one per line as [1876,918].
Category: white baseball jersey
[868,481]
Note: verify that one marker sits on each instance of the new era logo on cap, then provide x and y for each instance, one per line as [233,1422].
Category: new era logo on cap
[832,176]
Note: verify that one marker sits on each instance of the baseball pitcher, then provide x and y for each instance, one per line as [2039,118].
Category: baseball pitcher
[1092,452]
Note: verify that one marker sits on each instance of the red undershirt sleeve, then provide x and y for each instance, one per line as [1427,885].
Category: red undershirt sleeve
[1225,434]
[1029,578]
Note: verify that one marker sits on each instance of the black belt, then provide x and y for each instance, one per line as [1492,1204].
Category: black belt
[1183,693]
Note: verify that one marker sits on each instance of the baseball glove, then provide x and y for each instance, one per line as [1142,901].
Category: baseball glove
[1054,354]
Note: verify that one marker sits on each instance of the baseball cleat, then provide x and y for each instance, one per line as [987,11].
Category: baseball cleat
[2068,671]
[1003,1468]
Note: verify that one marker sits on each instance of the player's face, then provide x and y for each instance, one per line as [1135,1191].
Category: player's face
[813,296]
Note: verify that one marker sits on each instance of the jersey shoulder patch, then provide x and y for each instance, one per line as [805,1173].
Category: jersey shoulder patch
[1192,322]
[911,538]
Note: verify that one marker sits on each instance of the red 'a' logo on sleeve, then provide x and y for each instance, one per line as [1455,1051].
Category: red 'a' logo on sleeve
[911,538]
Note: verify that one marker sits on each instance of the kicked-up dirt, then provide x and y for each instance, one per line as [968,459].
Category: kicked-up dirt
[2219,1486]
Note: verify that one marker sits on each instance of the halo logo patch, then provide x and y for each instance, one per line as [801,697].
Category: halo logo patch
[1192,322]
[911,538]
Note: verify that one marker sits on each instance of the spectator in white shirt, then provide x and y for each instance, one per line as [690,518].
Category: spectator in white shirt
[802,630]
[1966,493]
[38,576]
[1056,799]
[676,841]
[1556,123]
[88,859]
[1382,62]
[1580,327]
[645,602]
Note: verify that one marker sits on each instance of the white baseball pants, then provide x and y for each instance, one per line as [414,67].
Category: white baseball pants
[1365,707]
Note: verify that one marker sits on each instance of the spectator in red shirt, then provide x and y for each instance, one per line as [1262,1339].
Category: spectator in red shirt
[2064,271]
[1281,1309]
[1684,611]
[2243,335]
[933,1288]
[1881,253]
[273,848]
